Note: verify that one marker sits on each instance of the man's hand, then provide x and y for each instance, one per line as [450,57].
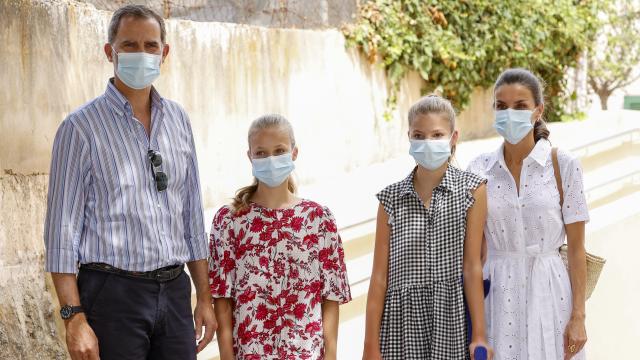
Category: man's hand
[203,315]
[81,340]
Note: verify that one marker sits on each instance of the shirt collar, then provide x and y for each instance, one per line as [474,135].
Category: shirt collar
[539,154]
[406,185]
[120,103]
[495,157]
[541,151]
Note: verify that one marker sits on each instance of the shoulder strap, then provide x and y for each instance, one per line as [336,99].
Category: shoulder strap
[556,173]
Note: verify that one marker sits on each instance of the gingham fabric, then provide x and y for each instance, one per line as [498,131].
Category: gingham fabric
[424,316]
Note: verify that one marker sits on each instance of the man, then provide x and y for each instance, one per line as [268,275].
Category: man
[125,213]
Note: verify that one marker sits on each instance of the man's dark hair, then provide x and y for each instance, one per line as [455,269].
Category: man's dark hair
[137,11]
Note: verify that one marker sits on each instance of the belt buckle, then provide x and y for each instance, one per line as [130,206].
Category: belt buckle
[164,275]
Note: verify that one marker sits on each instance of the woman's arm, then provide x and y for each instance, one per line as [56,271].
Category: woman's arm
[377,287]
[330,320]
[472,268]
[224,312]
[576,333]
[485,251]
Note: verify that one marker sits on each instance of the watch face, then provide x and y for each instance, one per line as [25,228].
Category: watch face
[65,312]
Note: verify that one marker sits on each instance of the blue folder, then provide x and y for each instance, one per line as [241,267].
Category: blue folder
[480,353]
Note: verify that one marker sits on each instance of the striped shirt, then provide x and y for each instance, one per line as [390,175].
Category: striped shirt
[103,204]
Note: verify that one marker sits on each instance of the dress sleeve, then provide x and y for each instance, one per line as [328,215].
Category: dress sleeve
[385,199]
[335,284]
[574,208]
[222,259]
[471,184]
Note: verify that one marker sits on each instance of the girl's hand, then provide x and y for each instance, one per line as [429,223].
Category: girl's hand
[371,352]
[575,336]
[480,343]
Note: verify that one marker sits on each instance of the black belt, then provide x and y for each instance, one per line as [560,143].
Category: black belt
[161,275]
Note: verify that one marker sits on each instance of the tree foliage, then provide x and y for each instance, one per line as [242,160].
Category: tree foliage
[457,45]
[615,60]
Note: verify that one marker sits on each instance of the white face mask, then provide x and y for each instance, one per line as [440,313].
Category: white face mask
[273,170]
[513,125]
[430,154]
[138,70]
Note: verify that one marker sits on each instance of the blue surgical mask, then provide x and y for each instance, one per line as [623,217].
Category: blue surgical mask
[513,125]
[273,170]
[138,70]
[430,154]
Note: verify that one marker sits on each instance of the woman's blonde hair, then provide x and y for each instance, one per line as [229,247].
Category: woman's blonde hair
[434,104]
[243,196]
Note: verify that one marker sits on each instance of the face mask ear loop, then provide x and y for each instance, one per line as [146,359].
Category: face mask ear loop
[114,54]
[539,116]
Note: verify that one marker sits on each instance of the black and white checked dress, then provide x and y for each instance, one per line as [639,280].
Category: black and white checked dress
[424,316]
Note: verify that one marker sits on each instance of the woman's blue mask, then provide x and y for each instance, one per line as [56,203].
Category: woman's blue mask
[513,125]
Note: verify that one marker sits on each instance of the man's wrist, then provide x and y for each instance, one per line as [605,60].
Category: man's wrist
[204,297]
[75,319]
[68,311]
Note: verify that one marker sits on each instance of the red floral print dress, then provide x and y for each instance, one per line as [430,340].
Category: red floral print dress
[278,265]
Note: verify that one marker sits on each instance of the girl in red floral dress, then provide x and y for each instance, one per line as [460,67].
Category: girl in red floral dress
[277,269]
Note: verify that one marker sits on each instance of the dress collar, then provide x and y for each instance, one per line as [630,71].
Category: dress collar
[447,183]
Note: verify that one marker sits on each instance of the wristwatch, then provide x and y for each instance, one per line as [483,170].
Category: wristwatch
[68,311]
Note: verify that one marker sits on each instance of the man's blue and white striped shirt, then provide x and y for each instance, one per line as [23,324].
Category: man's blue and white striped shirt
[103,205]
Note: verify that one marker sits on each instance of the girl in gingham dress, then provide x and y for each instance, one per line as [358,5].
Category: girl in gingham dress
[428,235]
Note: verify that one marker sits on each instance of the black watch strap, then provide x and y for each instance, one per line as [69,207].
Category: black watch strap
[67,311]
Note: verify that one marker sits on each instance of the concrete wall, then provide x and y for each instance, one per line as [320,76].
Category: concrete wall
[225,75]
[476,121]
[302,14]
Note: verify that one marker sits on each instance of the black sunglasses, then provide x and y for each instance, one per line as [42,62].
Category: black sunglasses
[159,176]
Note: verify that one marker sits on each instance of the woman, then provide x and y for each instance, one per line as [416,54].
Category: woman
[536,309]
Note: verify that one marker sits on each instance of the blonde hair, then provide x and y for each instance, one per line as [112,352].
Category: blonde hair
[434,104]
[243,196]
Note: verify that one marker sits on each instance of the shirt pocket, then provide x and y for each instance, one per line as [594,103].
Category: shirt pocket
[117,170]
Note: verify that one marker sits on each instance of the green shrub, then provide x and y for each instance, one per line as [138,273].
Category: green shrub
[457,45]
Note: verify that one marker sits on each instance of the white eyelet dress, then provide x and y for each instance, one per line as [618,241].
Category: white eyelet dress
[529,304]
[424,315]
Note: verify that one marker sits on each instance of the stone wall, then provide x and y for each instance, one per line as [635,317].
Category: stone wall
[28,317]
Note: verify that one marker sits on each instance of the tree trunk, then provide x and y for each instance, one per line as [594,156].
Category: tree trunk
[604,97]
